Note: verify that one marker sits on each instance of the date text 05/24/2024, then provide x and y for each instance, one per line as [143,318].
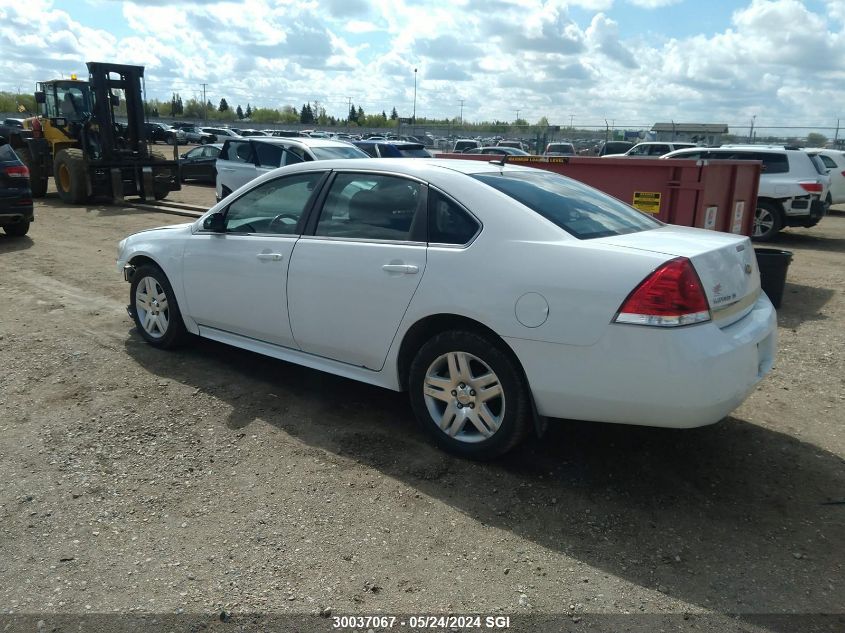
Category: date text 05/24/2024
[421,621]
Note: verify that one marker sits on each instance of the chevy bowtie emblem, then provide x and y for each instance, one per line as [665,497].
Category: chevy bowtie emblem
[748,269]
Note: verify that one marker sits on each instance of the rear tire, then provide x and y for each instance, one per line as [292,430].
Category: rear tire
[17,230]
[37,177]
[768,221]
[71,176]
[154,308]
[469,395]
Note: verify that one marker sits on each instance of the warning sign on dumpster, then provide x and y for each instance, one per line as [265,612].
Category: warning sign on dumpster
[538,159]
[648,201]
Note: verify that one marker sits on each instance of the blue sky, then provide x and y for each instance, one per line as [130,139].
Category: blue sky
[631,61]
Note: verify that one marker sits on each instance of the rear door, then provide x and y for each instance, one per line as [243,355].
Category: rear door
[236,166]
[351,280]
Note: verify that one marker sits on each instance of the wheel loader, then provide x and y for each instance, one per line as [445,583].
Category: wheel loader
[76,139]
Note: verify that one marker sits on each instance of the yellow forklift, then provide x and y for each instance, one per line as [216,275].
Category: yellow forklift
[76,139]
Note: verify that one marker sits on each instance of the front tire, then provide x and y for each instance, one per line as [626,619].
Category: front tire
[768,221]
[71,176]
[469,395]
[154,308]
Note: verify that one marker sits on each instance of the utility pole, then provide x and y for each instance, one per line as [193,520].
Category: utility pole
[836,135]
[204,106]
[751,131]
[571,119]
[348,110]
[462,112]
[414,116]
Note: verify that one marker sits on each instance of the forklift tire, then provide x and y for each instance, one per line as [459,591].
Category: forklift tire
[71,176]
[159,191]
[37,179]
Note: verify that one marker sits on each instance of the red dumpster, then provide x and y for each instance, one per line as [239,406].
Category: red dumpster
[718,195]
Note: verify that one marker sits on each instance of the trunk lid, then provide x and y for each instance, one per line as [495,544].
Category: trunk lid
[725,263]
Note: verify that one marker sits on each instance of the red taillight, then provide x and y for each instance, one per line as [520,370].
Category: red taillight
[672,295]
[17,171]
[812,187]
[843,173]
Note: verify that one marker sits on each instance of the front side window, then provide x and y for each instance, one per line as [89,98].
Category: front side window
[576,208]
[197,152]
[640,150]
[370,206]
[239,152]
[659,150]
[268,155]
[274,207]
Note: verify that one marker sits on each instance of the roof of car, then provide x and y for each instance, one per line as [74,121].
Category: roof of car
[411,166]
[307,141]
[400,144]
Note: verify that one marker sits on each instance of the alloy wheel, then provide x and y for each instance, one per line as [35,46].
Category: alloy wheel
[464,397]
[152,308]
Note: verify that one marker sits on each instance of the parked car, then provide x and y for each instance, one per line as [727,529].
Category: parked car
[194,134]
[792,190]
[16,210]
[392,149]
[200,163]
[338,266]
[243,159]
[498,150]
[559,149]
[834,164]
[164,133]
[286,133]
[613,147]
[221,133]
[515,144]
[650,149]
[462,145]
[253,133]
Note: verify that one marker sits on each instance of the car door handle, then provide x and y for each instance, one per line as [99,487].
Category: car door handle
[408,269]
[272,257]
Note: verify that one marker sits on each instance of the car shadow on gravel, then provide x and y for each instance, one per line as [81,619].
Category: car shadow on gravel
[734,518]
[813,241]
[13,244]
[802,303]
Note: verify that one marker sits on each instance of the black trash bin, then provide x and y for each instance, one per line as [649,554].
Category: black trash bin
[773,264]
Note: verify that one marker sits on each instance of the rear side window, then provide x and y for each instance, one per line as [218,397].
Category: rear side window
[773,162]
[448,223]
[340,151]
[827,160]
[579,210]
[414,152]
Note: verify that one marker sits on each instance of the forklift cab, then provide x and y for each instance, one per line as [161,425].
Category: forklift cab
[69,100]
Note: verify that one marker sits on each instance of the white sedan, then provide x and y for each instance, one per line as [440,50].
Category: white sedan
[496,295]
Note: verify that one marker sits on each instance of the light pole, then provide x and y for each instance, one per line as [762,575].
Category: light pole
[751,131]
[414,115]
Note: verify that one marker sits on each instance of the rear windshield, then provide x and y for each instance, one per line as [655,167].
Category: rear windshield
[414,152]
[579,210]
[327,153]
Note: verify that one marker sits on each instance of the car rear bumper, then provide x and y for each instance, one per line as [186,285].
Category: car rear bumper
[680,378]
[12,215]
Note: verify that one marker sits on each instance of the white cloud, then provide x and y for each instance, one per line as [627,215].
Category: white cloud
[777,58]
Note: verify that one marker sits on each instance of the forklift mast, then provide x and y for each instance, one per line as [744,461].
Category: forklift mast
[129,80]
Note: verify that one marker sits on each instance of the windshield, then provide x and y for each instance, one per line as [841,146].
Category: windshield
[340,151]
[581,211]
[72,101]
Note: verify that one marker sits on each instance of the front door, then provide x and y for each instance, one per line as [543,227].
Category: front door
[235,280]
[350,283]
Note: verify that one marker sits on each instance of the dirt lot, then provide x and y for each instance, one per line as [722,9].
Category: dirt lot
[212,480]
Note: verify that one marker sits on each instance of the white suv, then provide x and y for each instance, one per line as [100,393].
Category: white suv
[243,159]
[793,185]
[650,149]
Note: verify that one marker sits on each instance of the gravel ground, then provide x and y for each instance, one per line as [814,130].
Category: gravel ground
[213,481]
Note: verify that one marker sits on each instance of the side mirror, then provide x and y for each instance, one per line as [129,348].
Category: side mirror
[40,97]
[215,222]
